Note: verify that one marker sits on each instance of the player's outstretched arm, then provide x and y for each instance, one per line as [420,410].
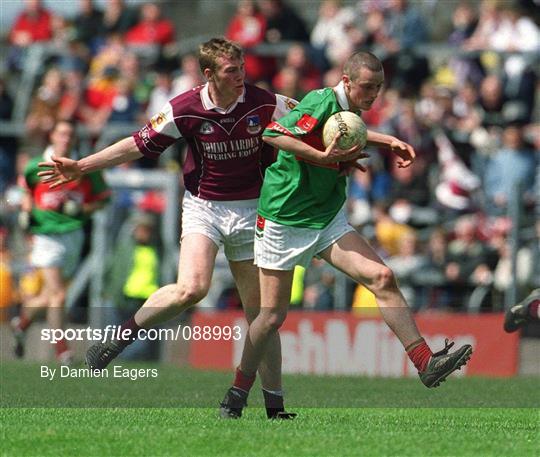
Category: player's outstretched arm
[60,170]
[403,150]
[331,154]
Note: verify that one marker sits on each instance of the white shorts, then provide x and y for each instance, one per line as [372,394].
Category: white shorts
[230,223]
[282,247]
[61,250]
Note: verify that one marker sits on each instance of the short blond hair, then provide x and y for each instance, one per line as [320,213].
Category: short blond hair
[217,47]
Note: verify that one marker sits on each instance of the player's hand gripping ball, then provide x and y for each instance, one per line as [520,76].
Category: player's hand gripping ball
[350,125]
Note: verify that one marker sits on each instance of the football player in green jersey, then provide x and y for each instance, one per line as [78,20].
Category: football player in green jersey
[301,215]
[55,217]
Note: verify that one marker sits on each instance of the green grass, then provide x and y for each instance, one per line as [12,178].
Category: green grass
[175,414]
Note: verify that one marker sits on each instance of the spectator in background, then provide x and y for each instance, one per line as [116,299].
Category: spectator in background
[118,18]
[470,262]
[8,144]
[503,274]
[190,75]
[464,22]
[287,82]
[465,111]
[88,24]
[124,107]
[162,92]
[32,25]
[248,29]
[73,96]
[405,264]
[133,274]
[334,33]
[511,169]
[434,291]
[152,28]
[406,28]
[44,107]
[131,70]
[282,22]
[98,99]
[309,77]
[515,32]
[492,101]
[518,33]
[488,22]
[388,232]
[372,185]
[319,281]
[109,55]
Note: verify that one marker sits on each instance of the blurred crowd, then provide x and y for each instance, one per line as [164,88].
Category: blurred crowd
[454,226]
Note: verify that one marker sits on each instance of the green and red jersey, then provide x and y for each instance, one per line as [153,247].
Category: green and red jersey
[295,191]
[47,203]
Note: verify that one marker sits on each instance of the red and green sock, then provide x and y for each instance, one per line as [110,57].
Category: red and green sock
[419,353]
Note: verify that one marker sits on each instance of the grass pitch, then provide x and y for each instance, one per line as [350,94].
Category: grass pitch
[175,414]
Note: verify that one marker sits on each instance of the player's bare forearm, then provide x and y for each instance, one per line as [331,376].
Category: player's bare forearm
[61,170]
[297,147]
[294,146]
[403,150]
[123,151]
[379,140]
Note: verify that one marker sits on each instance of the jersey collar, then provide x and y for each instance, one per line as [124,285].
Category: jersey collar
[341,96]
[208,104]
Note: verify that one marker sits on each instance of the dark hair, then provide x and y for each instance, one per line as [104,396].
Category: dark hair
[361,59]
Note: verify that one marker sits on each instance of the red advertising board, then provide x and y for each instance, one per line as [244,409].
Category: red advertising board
[340,343]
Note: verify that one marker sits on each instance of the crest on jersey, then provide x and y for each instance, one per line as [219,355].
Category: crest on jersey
[307,123]
[290,103]
[254,124]
[157,120]
[206,128]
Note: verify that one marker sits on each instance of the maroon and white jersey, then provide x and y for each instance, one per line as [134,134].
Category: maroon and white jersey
[226,156]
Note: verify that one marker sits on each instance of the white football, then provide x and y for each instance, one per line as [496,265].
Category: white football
[352,128]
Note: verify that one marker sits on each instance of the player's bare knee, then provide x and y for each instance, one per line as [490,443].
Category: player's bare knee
[251,313]
[57,298]
[274,320]
[384,280]
[192,293]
